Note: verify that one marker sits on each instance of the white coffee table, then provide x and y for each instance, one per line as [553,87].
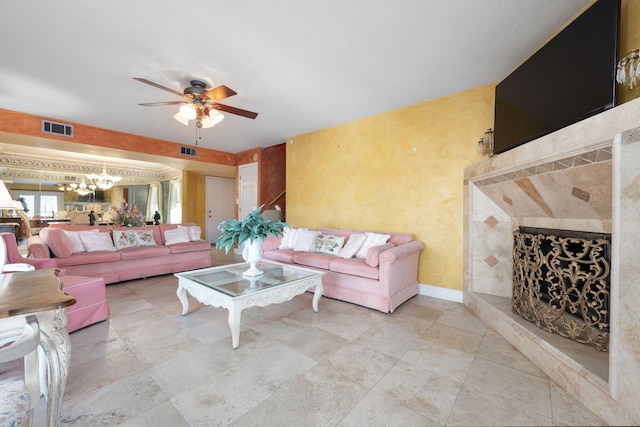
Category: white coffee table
[226,287]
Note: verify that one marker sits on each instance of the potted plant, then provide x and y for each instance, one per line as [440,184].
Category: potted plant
[250,232]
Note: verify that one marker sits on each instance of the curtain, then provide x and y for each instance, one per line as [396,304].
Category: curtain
[175,202]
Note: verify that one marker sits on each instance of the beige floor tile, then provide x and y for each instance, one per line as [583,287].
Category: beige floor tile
[322,395]
[378,410]
[421,390]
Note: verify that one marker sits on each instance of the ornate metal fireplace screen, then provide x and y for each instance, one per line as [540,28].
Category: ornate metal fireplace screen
[561,283]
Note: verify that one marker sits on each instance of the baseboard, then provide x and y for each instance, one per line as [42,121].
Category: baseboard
[441,293]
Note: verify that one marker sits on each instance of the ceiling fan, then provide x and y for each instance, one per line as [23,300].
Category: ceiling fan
[200,104]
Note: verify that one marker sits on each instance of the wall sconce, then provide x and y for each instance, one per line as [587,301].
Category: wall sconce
[629,69]
[485,145]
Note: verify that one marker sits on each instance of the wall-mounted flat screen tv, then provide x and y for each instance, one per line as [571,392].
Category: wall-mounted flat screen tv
[569,79]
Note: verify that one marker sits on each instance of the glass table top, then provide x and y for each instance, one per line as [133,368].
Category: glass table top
[229,279]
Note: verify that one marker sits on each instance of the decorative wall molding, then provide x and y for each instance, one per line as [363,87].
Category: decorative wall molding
[55,171]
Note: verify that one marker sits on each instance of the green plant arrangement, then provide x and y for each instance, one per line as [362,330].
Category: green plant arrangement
[253,226]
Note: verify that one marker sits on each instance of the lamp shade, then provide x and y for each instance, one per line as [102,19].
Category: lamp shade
[6,202]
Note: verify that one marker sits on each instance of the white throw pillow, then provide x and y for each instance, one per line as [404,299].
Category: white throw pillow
[124,239]
[304,239]
[373,239]
[176,235]
[144,238]
[194,232]
[353,244]
[94,241]
[288,238]
[77,242]
[332,245]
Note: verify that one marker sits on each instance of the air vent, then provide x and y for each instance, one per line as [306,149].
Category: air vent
[57,128]
[188,151]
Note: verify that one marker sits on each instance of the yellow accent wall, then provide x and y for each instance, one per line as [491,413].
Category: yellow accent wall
[399,171]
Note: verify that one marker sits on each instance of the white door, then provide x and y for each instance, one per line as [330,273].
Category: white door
[221,196]
[247,189]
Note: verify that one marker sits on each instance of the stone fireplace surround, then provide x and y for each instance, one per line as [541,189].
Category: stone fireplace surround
[584,177]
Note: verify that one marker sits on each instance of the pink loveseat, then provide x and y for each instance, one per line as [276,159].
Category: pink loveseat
[158,250]
[381,275]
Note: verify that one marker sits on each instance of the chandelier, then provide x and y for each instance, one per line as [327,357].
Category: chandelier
[83,189]
[104,181]
[205,117]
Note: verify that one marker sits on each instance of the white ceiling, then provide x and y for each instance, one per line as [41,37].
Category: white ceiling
[302,65]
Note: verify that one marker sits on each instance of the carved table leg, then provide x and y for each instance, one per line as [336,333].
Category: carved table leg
[55,343]
[317,293]
[234,325]
[182,296]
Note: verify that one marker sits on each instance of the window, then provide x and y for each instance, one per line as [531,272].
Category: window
[42,203]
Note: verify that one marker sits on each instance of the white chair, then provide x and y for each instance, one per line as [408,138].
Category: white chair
[20,395]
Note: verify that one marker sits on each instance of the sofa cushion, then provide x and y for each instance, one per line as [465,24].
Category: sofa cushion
[95,240]
[352,246]
[78,246]
[373,239]
[201,245]
[99,257]
[332,245]
[271,243]
[57,241]
[335,232]
[400,239]
[282,255]
[317,242]
[373,256]
[177,235]
[123,239]
[304,239]
[288,238]
[194,232]
[144,251]
[312,259]
[354,267]
[145,237]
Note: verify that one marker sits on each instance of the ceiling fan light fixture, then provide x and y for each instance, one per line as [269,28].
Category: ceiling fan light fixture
[215,116]
[182,119]
[188,111]
[207,122]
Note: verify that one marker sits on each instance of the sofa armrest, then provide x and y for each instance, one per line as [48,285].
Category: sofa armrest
[399,266]
[393,254]
[373,255]
[37,248]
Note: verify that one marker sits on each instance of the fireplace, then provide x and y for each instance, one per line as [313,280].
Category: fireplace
[561,282]
[582,177]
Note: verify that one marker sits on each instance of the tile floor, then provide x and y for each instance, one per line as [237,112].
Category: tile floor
[432,362]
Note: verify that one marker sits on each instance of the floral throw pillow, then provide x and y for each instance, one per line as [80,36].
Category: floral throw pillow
[332,245]
[124,239]
[316,244]
[144,238]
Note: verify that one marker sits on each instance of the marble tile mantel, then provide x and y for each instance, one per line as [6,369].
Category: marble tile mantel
[583,177]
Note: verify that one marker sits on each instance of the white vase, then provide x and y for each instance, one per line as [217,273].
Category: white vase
[252,253]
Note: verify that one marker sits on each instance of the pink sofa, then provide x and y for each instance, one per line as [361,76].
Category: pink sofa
[383,279]
[152,258]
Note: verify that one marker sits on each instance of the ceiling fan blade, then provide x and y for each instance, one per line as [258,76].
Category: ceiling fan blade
[219,92]
[175,92]
[155,104]
[234,110]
